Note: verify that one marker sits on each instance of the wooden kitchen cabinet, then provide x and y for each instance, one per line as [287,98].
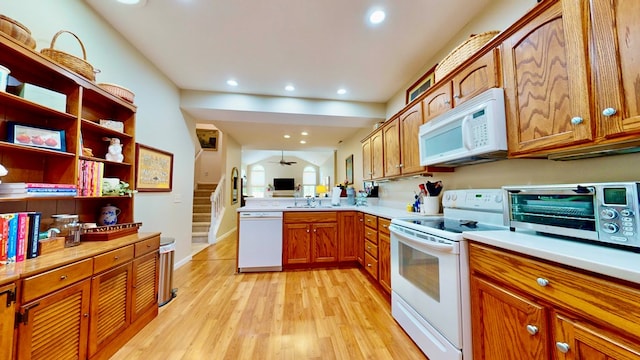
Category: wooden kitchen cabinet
[56,325]
[372,156]
[310,237]
[350,236]
[391,140]
[371,245]
[615,50]
[384,254]
[545,81]
[110,306]
[438,100]
[7,318]
[527,308]
[475,78]
[144,293]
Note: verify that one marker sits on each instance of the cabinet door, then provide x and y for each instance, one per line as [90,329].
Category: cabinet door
[384,261]
[474,79]
[325,242]
[578,341]
[377,155]
[110,306]
[391,136]
[438,101]
[348,240]
[144,286]
[506,325]
[545,82]
[615,50]
[410,122]
[367,172]
[360,238]
[7,317]
[56,324]
[297,244]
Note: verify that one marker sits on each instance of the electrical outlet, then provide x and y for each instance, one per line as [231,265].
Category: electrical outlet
[177,198]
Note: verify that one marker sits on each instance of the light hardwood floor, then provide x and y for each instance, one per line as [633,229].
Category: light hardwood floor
[319,314]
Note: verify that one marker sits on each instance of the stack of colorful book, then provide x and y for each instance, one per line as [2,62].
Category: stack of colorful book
[19,234]
[23,189]
[90,174]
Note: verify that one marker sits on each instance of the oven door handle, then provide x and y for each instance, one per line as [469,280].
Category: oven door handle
[448,247]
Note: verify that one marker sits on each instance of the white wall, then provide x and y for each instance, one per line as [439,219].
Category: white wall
[159,121]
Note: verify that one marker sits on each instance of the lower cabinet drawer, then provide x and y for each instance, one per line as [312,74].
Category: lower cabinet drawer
[371,234]
[112,258]
[147,246]
[590,296]
[38,285]
[371,248]
[371,265]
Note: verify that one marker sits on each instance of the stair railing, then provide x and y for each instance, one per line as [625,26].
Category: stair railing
[217,208]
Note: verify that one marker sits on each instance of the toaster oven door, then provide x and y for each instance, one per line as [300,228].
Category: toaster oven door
[567,212]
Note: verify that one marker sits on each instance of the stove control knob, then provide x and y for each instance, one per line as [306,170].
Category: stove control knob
[447,196]
[610,228]
[498,198]
[626,212]
[454,197]
[608,214]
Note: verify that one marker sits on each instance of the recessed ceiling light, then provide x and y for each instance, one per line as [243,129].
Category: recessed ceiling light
[304,133]
[132,2]
[377,17]
[302,142]
[289,88]
[232,83]
[287,136]
[342,91]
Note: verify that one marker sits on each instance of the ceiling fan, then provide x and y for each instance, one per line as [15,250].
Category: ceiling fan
[282,162]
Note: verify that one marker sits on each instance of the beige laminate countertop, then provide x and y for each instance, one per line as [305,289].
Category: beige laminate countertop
[621,264]
[382,211]
[86,249]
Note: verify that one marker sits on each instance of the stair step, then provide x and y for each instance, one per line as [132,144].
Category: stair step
[206,186]
[201,217]
[200,226]
[202,208]
[201,201]
[199,237]
[202,193]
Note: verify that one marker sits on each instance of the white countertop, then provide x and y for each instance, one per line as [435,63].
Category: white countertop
[603,260]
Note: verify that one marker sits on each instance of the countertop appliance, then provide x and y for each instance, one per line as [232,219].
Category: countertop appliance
[260,241]
[473,132]
[606,213]
[429,271]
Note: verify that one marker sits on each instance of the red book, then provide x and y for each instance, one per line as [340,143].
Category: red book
[21,249]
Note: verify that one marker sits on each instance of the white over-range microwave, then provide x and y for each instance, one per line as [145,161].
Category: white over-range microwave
[473,132]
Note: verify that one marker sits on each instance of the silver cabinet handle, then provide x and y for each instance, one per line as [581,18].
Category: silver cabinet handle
[63,277]
[542,281]
[447,102]
[532,329]
[456,96]
[576,120]
[609,112]
[562,347]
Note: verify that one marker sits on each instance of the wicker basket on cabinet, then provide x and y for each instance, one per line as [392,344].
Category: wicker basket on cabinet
[462,52]
[71,62]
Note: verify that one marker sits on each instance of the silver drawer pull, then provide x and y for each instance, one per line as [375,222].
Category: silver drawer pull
[532,329]
[116,257]
[542,281]
[63,277]
[369,265]
[562,347]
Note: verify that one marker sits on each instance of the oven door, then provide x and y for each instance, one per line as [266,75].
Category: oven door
[425,273]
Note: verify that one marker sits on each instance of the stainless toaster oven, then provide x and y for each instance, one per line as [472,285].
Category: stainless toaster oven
[602,212]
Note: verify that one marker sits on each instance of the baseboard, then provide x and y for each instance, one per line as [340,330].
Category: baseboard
[182,262]
[225,235]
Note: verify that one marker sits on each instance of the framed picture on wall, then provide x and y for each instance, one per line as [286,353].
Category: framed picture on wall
[349,169]
[420,86]
[208,139]
[154,169]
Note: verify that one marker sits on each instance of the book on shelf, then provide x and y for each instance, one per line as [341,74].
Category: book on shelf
[90,177]
[19,236]
[33,245]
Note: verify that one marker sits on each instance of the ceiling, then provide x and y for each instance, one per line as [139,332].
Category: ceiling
[318,46]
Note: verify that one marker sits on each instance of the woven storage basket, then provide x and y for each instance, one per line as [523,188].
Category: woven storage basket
[462,52]
[118,91]
[17,31]
[73,63]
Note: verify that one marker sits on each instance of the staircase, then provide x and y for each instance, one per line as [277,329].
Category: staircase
[201,220]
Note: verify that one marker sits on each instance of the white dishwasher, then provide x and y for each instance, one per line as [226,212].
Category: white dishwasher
[260,241]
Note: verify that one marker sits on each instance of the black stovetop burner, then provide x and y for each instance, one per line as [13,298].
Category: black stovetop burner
[452,225]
